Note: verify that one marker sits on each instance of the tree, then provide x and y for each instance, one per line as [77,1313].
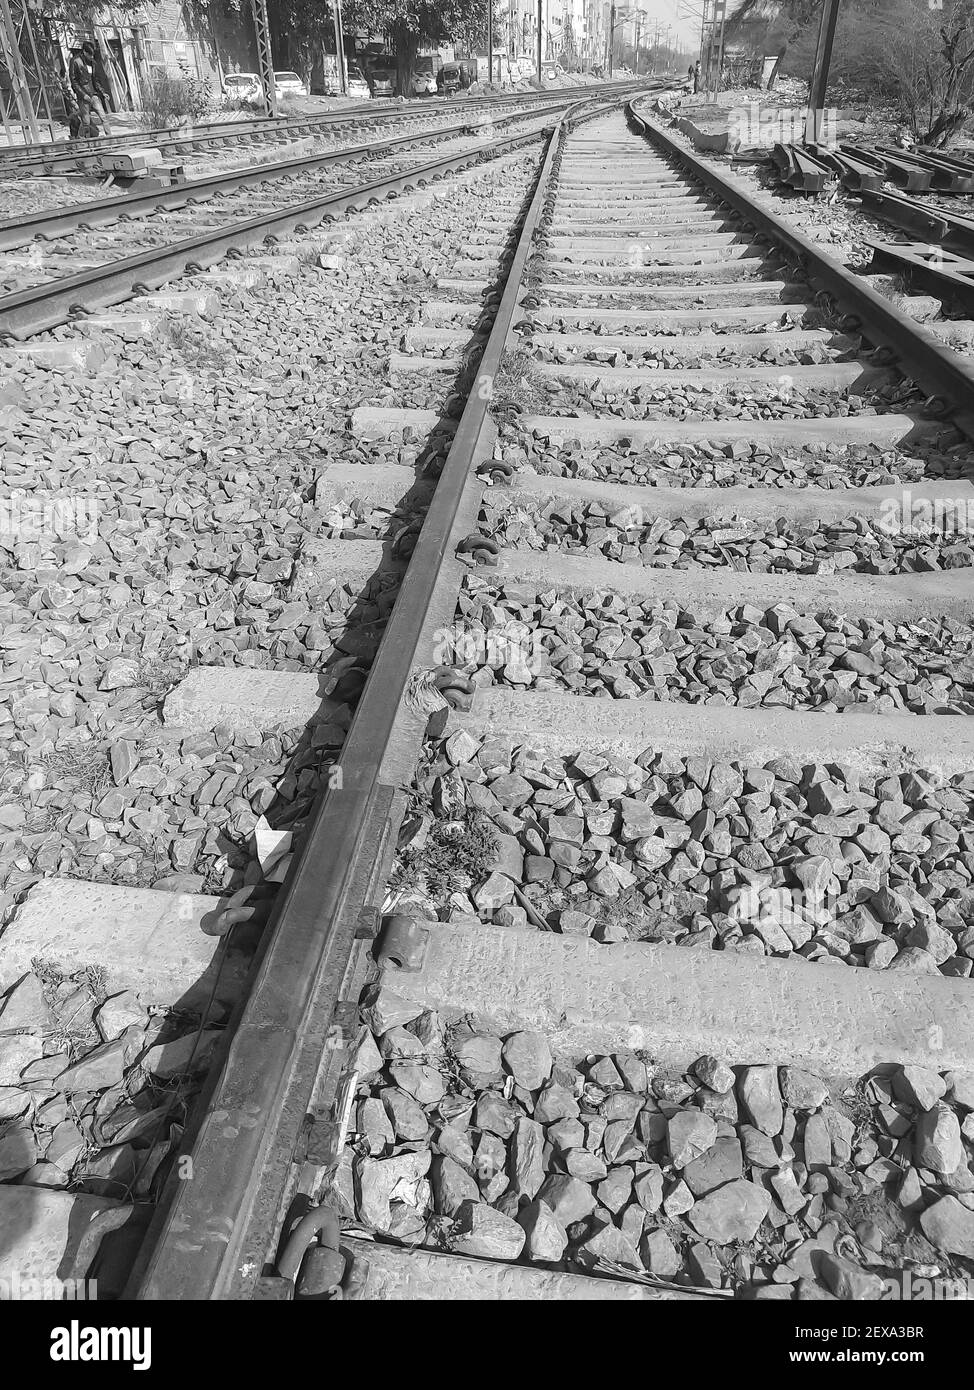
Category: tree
[917,58]
[409,25]
[933,62]
[301,32]
[770,25]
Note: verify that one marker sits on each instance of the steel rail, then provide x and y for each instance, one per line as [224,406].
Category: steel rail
[50,156]
[167,137]
[46,306]
[944,374]
[212,1239]
[16,232]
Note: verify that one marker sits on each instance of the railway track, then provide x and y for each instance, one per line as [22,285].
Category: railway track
[215,395]
[59,156]
[91,255]
[95,156]
[627,952]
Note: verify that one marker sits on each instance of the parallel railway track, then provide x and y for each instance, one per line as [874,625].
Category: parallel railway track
[671,714]
[196,223]
[94,156]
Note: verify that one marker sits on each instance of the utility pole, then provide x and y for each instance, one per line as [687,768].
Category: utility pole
[336,14]
[612,35]
[27,96]
[18,78]
[490,40]
[715,50]
[703,28]
[540,26]
[265,60]
[815,116]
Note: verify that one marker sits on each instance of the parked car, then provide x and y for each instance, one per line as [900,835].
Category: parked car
[383,82]
[428,66]
[242,86]
[357,85]
[289,84]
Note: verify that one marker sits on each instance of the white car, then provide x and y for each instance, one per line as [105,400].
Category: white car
[357,85]
[289,84]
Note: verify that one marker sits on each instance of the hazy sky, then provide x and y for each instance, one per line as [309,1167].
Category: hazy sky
[682,15]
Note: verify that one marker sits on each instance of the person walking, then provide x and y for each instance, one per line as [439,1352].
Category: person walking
[90,94]
[696,78]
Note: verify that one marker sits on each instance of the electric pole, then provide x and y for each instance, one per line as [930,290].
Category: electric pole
[20,57]
[540,25]
[490,41]
[715,50]
[815,116]
[342,72]
[720,48]
[703,27]
[612,35]
[265,60]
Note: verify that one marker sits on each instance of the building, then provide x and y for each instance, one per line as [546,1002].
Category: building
[573,32]
[184,40]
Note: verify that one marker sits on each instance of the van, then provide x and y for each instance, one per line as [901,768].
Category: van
[381,75]
[425,76]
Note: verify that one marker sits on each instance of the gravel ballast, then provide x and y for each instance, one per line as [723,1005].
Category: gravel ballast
[817,861]
[760,1181]
[155,515]
[600,643]
[161,514]
[633,535]
[743,463]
